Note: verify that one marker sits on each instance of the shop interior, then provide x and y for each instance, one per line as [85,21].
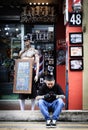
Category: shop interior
[11,42]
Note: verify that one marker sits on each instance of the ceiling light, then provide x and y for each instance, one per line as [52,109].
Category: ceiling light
[47,3]
[34,3]
[30,3]
[42,3]
[38,3]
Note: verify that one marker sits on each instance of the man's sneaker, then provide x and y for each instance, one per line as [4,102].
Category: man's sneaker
[53,123]
[48,123]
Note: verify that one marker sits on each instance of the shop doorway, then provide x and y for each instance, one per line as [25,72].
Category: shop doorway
[43,39]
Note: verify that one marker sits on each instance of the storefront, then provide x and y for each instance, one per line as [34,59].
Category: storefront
[58,39]
[40,21]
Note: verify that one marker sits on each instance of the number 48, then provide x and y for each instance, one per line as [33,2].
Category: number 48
[76,19]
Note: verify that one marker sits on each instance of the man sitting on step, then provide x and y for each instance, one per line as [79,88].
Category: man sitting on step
[50,98]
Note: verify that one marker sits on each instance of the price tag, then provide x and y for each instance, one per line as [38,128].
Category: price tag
[75,19]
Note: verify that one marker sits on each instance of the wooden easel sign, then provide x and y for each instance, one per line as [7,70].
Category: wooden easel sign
[23,76]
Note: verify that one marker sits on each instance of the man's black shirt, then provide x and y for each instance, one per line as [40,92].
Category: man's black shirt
[56,89]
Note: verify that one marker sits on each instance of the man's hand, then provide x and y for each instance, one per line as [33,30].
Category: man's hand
[47,96]
[60,96]
[52,94]
[36,78]
[39,97]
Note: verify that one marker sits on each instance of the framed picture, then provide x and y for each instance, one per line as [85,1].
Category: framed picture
[76,38]
[76,51]
[76,64]
[23,76]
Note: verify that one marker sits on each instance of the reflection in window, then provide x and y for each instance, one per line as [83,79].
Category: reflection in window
[8,32]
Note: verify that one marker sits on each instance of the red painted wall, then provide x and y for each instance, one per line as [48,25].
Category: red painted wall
[75,90]
[60,76]
[74,77]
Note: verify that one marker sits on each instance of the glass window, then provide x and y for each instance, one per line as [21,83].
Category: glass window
[42,37]
[10,45]
[11,42]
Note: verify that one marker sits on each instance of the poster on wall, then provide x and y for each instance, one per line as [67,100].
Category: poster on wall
[76,51]
[76,64]
[76,38]
[23,76]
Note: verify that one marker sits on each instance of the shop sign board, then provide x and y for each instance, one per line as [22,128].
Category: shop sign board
[23,76]
[39,13]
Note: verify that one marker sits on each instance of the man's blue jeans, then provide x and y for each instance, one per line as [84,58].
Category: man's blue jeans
[56,106]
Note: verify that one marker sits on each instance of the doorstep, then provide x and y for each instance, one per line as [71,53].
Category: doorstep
[35,115]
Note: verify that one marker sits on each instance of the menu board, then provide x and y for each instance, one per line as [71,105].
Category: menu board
[23,76]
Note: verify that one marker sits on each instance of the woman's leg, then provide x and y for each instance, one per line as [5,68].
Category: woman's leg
[32,104]
[22,104]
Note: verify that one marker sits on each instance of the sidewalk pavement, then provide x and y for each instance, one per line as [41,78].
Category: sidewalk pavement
[42,126]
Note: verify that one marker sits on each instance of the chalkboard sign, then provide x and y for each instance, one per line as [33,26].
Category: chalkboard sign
[23,76]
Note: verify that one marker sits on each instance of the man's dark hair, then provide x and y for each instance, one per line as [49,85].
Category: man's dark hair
[49,77]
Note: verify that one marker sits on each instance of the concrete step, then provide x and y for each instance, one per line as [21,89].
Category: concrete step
[29,115]
[10,111]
